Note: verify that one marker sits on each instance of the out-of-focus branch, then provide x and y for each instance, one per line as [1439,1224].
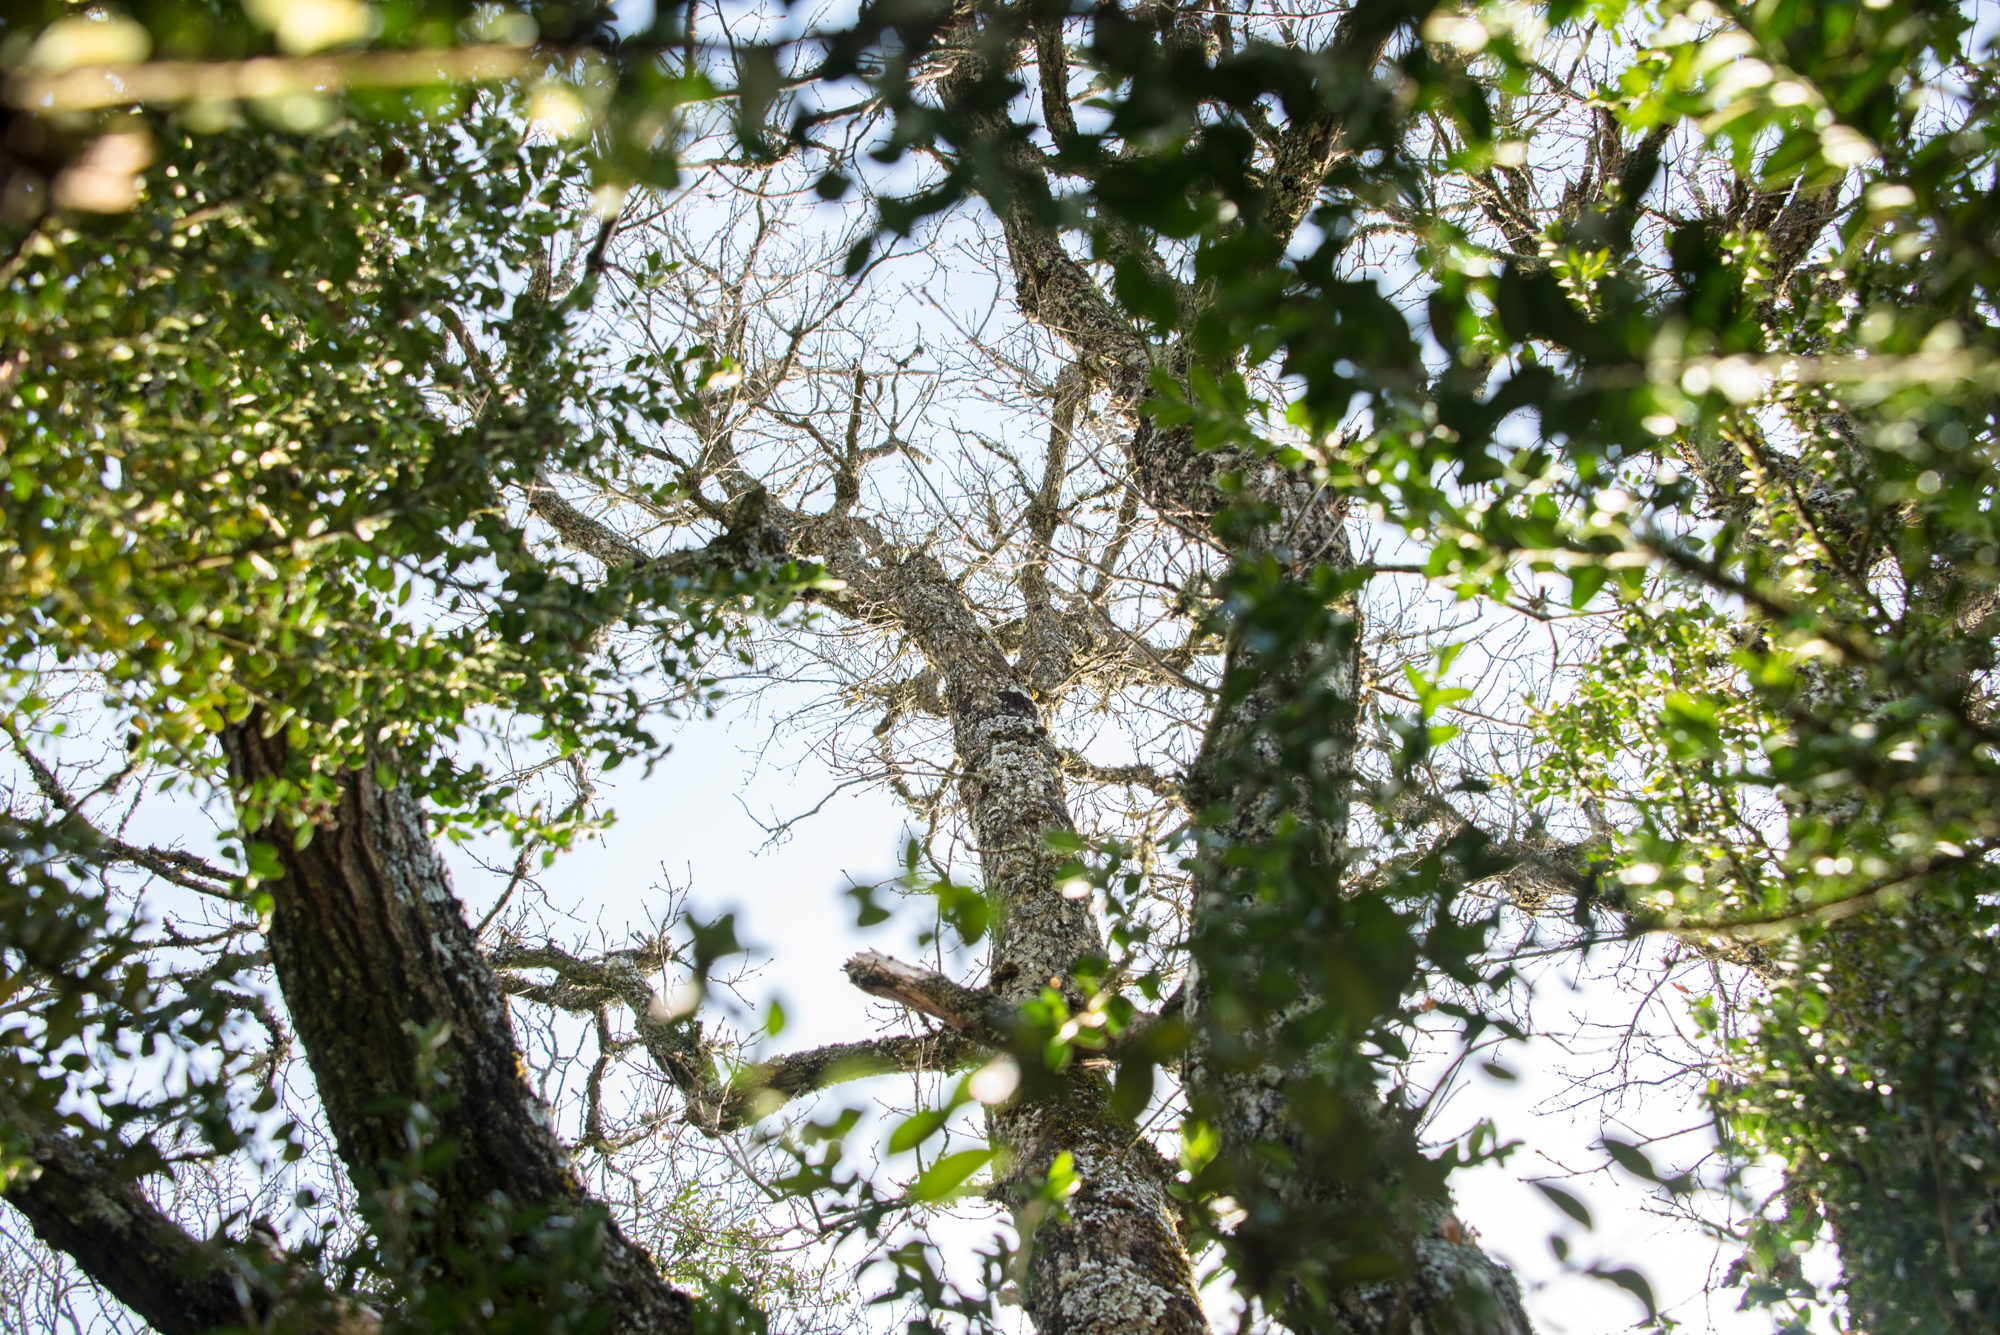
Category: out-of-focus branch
[94,87]
[762,1089]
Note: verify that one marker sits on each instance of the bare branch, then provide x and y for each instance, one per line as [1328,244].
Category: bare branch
[978,1015]
[169,864]
[1136,776]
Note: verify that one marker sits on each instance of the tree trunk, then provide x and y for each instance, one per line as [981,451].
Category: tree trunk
[1448,1282]
[1114,1263]
[1445,1281]
[1113,1259]
[373,954]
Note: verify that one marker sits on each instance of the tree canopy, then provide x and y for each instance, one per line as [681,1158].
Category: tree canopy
[391,388]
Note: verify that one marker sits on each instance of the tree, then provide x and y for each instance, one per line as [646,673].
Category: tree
[228,476]
[1603,365]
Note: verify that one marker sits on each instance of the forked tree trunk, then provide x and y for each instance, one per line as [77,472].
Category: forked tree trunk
[1449,1282]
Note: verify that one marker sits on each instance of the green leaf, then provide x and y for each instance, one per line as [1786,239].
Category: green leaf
[1633,1283]
[1062,1181]
[918,1127]
[1631,1158]
[869,913]
[264,863]
[1565,1202]
[1585,581]
[947,1175]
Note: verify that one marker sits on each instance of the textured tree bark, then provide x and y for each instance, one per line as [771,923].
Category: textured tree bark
[1115,1260]
[80,1203]
[370,947]
[80,1206]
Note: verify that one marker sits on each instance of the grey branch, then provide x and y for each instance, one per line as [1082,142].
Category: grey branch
[976,1014]
[749,538]
[764,1087]
[1136,776]
[585,986]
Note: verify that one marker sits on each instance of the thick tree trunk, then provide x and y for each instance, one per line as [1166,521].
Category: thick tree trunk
[1116,1261]
[372,951]
[1448,1280]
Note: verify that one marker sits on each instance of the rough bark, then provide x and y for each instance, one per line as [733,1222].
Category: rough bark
[973,1012]
[82,1202]
[1113,1259]
[82,1206]
[1115,1262]
[1307,148]
[371,948]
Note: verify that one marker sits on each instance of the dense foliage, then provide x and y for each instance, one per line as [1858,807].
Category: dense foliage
[1730,389]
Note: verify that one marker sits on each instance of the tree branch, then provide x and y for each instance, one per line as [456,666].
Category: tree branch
[675,1046]
[976,1014]
[760,1090]
[756,1091]
[1307,147]
[1137,776]
[85,1208]
[169,864]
